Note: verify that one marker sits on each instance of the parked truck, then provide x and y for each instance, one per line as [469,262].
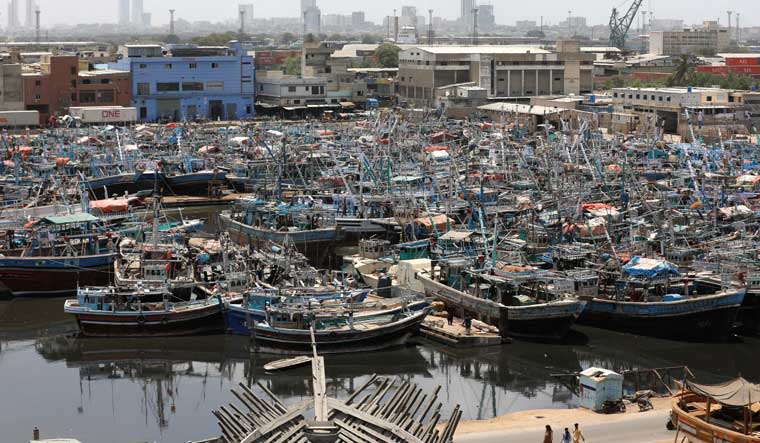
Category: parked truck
[13,119]
[103,114]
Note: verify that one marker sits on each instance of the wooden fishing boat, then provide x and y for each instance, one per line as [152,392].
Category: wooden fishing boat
[343,328]
[109,312]
[287,363]
[725,413]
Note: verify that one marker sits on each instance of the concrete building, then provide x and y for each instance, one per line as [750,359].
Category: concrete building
[123,12]
[709,109]
[708,39]
[137,13]
[465,12]
[289,92]
[189,82]
[358,19]
[58,83]
[13,10]
[312,19]
[273,60]
[516,72]
[11,87]
[408,17]
[486,17]
[29,21]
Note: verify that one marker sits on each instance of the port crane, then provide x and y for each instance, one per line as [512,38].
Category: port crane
[619,26]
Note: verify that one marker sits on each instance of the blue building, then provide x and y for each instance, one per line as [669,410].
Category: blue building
[185,82]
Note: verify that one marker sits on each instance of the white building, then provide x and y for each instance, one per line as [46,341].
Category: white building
[137,13]
[288,91]
[708,39]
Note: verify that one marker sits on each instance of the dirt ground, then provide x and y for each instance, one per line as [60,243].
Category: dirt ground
[539,417]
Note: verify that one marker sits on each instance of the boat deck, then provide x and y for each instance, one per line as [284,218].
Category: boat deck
[437,329]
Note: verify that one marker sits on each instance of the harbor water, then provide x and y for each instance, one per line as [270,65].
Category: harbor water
[160,389]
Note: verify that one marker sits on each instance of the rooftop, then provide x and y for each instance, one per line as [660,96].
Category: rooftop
[485,49]
[520,109]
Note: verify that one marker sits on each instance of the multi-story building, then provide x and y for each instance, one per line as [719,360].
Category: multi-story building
[465,12]
[503,71]
[708,39]
[13,23]
[273,60]
[486,17]
[275,89]
[59,84]
[188,82]
[708,109]
[123,12]
[137,13]
[11,87]
[357,19]
[29,21]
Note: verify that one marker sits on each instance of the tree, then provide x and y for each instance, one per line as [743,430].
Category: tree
[287,38]
[535,33]
[171,39]
[369,39]
[310,38]
[682,71]
[216,39]
[291,66]
[387,55]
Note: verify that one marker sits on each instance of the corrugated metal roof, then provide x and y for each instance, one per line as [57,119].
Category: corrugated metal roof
[521,109]
[484,49]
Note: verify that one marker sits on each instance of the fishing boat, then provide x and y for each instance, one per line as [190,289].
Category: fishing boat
[495,300]
[54,255]
[312,230]
[112,312]
[648,302]
[725,412]
[338,327]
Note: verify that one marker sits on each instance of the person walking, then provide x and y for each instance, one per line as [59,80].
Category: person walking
[566,438]
[549,435]
[578,434]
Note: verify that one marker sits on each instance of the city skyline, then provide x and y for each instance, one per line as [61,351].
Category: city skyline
[553,11]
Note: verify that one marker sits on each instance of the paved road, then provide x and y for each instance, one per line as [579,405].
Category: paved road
[643,428]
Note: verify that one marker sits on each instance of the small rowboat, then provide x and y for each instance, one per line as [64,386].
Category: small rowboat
[287,363]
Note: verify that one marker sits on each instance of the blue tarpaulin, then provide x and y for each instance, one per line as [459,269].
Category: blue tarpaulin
[648,267]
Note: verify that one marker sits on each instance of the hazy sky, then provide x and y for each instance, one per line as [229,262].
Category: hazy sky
[507,11]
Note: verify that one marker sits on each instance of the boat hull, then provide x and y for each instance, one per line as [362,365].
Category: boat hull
[297,341]
[53,276]
[205,320]
[709,318]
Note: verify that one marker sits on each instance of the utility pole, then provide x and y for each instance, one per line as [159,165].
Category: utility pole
[729,13]
[430,27]
[475,26]
[395,27]
[37,25]
[643,22]
[569,24]
[738,32]
[171,22]
[542,24]
[242,21]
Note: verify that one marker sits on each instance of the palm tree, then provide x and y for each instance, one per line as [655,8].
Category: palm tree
[682,70]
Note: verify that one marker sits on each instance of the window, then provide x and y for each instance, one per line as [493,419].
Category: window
[615,95]
[87,97]
[143,65]
[660,98]
[37,97]
[638,96]
[168,66]
[214,65]
[193,66]
[105,81]
[192,86]
[215,86]
[645,97]
[291,89]
[167,87]
[296,102]
[37,83]
[143,89]
[73,70]
[106,96]
[314,90]
[73,83]
[143,113]
[668,99]
[86,81]
[709,98]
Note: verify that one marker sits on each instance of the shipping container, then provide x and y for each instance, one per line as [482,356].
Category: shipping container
[104,114]
[9,119]
[743,61]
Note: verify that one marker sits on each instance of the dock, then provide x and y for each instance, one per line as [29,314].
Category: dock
[437,329]
[185,201]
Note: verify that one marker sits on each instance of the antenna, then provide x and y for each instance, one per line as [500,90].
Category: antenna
[171,22]
[729,13]
[569,24]
[242,20]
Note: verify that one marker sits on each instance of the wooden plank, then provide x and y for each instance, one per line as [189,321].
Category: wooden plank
[320,395]
[292,414]
[363,416]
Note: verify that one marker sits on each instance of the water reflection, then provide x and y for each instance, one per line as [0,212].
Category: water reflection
[163,389]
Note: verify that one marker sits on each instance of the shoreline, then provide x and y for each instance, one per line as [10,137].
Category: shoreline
[648,427]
